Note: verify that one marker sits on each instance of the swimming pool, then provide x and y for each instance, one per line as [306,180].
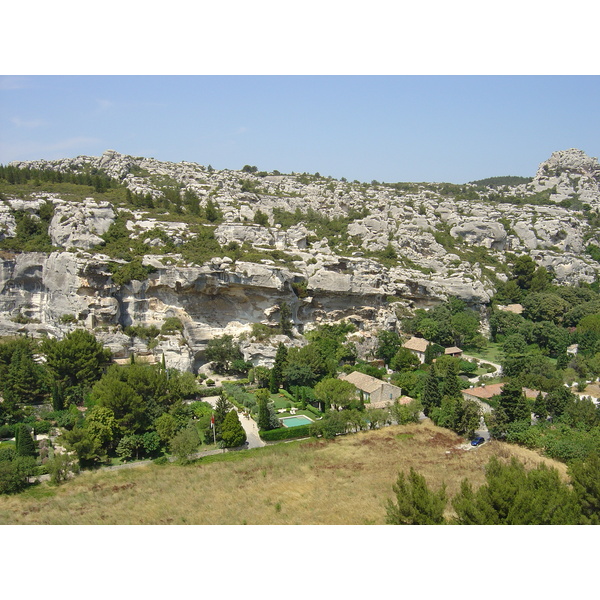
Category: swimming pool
[295,421]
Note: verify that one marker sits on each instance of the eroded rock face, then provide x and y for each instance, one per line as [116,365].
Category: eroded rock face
[80,225]
[432,236]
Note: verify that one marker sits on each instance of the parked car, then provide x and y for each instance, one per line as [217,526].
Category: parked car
[477,441]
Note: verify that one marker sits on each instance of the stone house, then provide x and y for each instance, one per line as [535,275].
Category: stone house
[375,392]
[417,346]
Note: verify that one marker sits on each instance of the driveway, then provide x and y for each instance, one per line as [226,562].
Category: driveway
[249,425]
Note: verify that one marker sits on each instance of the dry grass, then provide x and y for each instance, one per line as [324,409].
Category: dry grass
[344,481]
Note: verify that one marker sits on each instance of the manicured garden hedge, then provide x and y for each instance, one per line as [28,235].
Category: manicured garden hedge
[285,433]
[206,392]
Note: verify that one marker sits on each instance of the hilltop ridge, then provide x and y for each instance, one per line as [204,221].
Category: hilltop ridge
[111,241]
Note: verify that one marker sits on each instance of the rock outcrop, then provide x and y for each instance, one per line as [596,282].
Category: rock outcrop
[343,251]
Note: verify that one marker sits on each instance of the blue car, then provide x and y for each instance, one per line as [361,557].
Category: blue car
[477,441]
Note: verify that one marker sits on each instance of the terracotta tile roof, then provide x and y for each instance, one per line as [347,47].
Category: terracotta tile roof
[416,344]
[493,389]
[453,350]
[363,382]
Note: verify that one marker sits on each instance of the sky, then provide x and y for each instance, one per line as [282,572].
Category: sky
[386,128]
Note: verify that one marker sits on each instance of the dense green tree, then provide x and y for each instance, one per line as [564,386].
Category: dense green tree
[285,321]
[262,399]
[24,382]
[465,327]
[542,306]
[221,352]
[406,413]
[388,344]
[100,422]
[585,477]
[129,446]
[166,427]
[335,393]
[260,218]
[580,413]
[78,359]
[540,409]
[503,323]
[222,409]
[557,400]
[276,377]
[415,503]
[512,400]
[262,376]
[184,443]
[513,496]
[212,212]
[522,272]
[468,416]
[299,374]
[88,448]
[404,360]
[14,474]
[232,432]
[24,444]
[431,392]
[118,396]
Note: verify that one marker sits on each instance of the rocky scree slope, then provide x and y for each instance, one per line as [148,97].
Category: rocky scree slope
[221,250]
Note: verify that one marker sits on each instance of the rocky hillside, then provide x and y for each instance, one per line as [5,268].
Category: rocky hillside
[117,242]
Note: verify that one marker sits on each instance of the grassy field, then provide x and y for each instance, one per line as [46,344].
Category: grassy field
[342,481]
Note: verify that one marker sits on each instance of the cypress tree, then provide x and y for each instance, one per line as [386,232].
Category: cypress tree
[222,408]
[276,377]
[232,432]
[432,397]
[25,446]
[512,400]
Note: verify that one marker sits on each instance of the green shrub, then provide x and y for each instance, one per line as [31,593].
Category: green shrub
[171,325]
[134,270]
[285,433]
[7,431]
[206,392]
[42,427]
[161,460]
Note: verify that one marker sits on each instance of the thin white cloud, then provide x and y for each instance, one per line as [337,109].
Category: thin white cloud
[102,104]
[48,150]
[26,123]
[13,82]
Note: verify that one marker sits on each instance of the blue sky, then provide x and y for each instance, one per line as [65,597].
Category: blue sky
[388,128]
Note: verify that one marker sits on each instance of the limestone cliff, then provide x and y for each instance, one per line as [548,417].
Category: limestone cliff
[329,249]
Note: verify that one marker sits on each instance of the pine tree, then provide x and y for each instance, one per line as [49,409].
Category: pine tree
[585,476]
[415,503]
